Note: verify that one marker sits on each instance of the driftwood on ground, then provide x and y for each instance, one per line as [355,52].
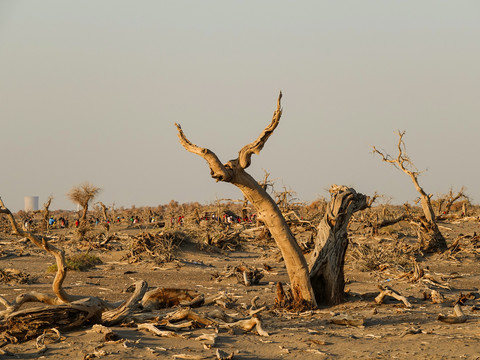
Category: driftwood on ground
[388,291]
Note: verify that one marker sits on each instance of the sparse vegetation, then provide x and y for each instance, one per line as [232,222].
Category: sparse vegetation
[78,262]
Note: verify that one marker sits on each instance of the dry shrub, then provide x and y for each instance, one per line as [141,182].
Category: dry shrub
[83,194]
[159,246]
[211,235]
[375,256]
[14,277]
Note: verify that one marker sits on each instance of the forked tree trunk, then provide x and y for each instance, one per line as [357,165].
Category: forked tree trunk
[328,257]
[268,211]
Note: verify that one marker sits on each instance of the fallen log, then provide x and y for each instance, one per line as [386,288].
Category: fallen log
[30,323]
[345,319]
[115,316]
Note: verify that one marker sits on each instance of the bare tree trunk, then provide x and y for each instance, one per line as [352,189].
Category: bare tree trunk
[273,219]
[440,203]
[328,257]
[46,213]
[245,208]
[83,218]
[234,173]
[430,238]
[104,211]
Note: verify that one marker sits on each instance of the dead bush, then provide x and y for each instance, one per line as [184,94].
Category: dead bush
[375,256]
[158,246]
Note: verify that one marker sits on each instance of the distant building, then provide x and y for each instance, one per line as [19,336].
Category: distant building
[31,203]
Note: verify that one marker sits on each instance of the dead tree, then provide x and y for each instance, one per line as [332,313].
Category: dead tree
[285,199]
[268,211]
[430,237]
[328,257]
[450,198]
[64,310]
[82,195]
[234,172]
[104,210]
[46,212]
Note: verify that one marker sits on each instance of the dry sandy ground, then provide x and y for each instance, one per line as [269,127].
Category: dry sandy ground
[390,330]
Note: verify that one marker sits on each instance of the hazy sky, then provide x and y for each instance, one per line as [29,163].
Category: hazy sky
[90,91]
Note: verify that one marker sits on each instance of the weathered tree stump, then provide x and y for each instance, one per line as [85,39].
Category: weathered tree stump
[328,257]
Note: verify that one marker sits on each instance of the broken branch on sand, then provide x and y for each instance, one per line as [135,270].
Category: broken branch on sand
[388,291]
[457,318]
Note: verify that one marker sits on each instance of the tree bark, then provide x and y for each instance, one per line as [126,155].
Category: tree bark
[273,219]
[328,257]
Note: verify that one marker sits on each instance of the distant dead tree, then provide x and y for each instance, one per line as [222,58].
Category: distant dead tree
[285,199]
[449,199]
[430,237]
[82,195]
[307,288]
[104,210]
[46,212]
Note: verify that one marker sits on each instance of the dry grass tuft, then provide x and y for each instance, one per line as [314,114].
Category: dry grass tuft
[79,262]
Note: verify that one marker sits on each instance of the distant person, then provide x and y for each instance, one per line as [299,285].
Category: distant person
[77,223]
